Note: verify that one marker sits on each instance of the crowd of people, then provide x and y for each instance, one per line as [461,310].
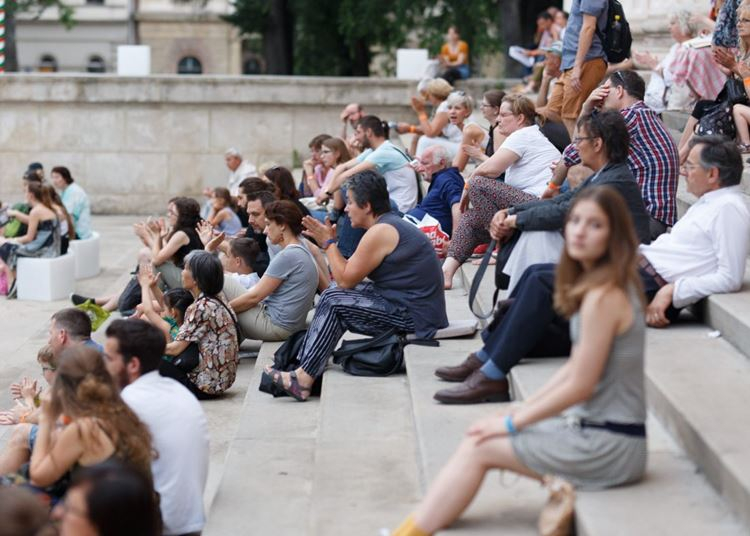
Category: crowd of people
[578,190]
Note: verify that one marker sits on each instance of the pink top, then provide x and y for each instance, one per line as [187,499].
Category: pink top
[696,68]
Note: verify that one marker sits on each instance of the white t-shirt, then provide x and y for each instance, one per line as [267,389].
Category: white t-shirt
[179,429]
[450,131]
[399,175]
[246,280]
[531,172]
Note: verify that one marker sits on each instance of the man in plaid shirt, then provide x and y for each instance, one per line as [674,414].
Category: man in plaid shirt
[653,157]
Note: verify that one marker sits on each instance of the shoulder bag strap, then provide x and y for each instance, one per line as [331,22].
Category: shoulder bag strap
[478,280]
[416,175]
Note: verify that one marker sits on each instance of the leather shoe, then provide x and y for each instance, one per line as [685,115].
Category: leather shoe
[460,372]
[475,389]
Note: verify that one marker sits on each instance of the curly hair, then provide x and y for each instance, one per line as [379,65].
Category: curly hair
[83,388]
[188,214]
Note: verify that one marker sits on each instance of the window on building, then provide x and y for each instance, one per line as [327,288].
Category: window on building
[95,2]
[96,65]
[189,65]
[252,65]
[47,64]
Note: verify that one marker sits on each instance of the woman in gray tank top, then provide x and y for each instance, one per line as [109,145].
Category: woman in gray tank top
[404,291]
[586,425]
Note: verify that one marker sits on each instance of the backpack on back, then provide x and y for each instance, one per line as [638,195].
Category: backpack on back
[616,37]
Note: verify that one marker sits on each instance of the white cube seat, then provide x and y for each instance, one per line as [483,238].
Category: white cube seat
[45,279]
[87,256]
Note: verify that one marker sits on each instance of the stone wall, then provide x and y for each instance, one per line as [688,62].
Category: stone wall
[132,142]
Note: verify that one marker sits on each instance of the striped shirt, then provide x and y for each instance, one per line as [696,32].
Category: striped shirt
[652,159]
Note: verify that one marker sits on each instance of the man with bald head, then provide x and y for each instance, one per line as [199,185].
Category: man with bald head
[446,185]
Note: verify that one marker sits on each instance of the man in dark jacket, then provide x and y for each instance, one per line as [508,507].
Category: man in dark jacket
[531,327]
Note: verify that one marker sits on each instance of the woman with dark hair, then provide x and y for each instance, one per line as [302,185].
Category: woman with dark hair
[586,425]
[405,292]
[42,238]
[109,499]
[101,426]
[283,181]
[167,243]
[277,306]
[222,215]
[75,199]
[524,159]
[206,349]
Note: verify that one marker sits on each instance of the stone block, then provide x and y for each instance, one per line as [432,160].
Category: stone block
[126,173]
[19,128]
[190,173]
[146,129]
[86,128]
[265,129]
[188,129]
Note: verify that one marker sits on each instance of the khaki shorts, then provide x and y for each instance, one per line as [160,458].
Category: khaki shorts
[565,101]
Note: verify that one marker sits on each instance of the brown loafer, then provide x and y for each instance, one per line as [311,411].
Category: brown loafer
[461,372]
[475,389]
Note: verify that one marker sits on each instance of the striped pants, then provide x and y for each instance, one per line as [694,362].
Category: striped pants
[359,310]
[487,197]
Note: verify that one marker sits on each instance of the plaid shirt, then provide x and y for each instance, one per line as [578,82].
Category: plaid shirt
[653,160]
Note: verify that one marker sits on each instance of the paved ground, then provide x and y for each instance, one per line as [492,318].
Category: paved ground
[24,327]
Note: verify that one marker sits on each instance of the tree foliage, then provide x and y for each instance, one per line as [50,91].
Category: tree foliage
[340,37]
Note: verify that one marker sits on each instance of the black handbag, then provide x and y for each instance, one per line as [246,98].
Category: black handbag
[378,356]
[717,121]
[733,92]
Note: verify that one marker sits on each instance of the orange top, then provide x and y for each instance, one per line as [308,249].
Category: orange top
[446,52]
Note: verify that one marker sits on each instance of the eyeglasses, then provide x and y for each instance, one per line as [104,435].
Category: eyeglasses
[578,139]
[687,166]
[485,105]
[48,369]
[743,21]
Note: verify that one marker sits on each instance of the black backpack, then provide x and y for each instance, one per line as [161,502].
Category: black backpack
[616,37]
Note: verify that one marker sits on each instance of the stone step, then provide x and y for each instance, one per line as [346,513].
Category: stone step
[671,499]
[364,475]
[717,447]
[699,387]
[269,467]
[508,502]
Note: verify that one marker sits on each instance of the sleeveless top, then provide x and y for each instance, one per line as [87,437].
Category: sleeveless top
[410,276]
[490,149]
[194,243]
[620,394]
[231,226]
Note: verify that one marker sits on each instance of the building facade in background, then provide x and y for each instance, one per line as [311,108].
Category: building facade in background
[185,37]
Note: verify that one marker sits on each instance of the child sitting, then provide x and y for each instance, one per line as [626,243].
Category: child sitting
[165,311]
[222,215]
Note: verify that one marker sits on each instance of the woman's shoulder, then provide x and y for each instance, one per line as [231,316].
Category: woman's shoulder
[607,299]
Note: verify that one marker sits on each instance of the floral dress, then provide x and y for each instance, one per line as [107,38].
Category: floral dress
[210,323]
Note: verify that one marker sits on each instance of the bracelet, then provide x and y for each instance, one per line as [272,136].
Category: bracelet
[412,129]
[466,185]
[22,418]
[552,186]
[509,425]
[328,243]
[422,116]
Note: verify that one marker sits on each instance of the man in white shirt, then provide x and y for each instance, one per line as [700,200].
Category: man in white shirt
[704,254]
[132,353]
[707,249]
[239,170]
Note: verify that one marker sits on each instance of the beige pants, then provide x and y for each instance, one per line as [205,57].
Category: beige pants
[254,323]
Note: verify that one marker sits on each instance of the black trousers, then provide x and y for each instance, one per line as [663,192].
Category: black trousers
[531,328]
[170,370]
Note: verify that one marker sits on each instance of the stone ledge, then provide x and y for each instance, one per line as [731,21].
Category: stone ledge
[210,89]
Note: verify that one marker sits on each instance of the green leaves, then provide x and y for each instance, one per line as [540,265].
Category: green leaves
[340,37]
[38,7]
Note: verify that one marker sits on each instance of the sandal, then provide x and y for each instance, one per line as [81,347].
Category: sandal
[294,390]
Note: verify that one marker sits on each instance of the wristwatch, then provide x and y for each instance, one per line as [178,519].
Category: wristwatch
[328,243]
